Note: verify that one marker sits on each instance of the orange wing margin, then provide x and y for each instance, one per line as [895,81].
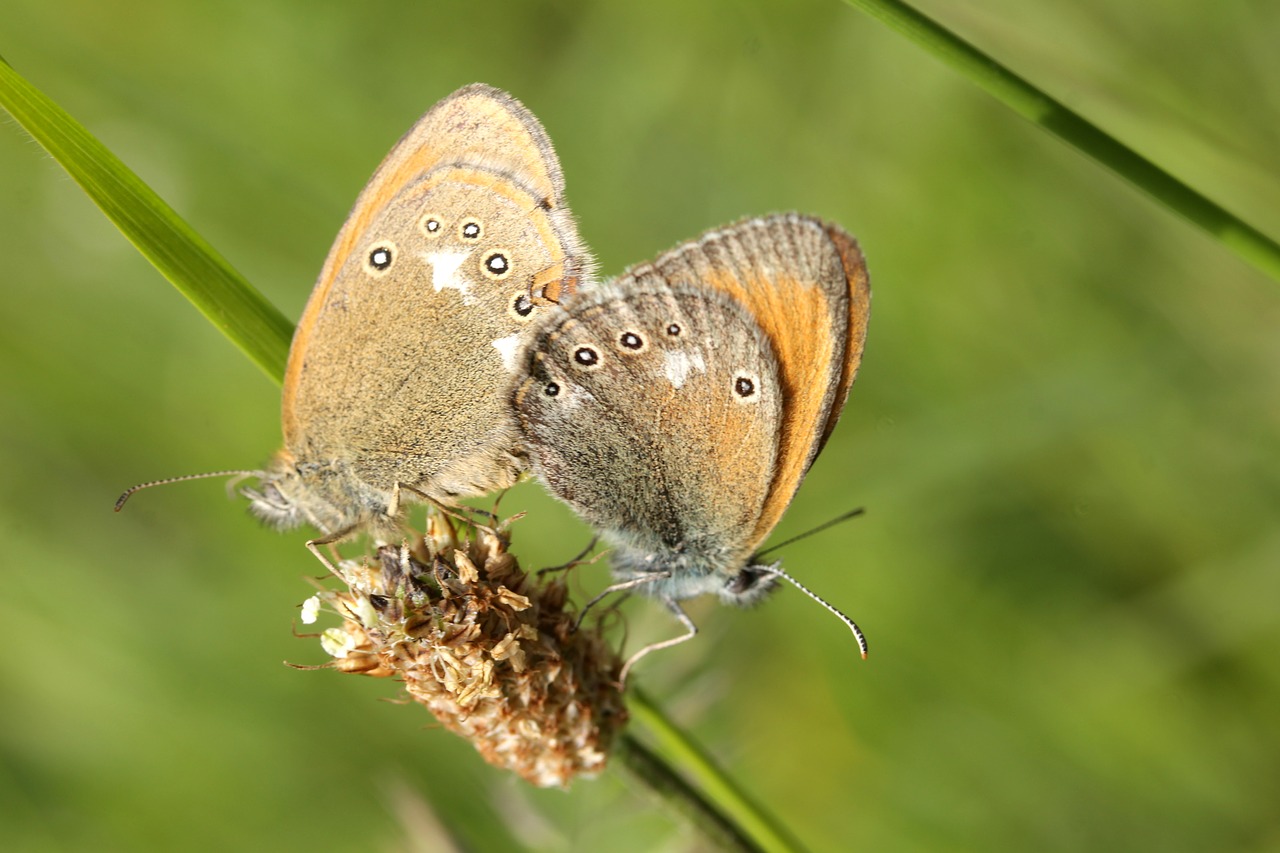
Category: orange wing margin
[806,284]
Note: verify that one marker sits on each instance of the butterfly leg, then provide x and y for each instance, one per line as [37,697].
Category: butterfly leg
[576,561]
[621,586]
[691,631]
[313,545]
[453,512]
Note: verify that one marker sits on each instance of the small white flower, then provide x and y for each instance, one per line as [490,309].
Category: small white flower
[310,610]
[337,642]
[365,611]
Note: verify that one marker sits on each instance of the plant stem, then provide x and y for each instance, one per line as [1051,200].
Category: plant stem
[647,768]
[717,804]
[1032,103]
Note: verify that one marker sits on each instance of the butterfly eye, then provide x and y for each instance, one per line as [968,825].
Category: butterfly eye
[586,357]
[471,230]
[496,264]
[380,258]
[673,330]
[431,225]
[631,341]
[746,388]
[521,308]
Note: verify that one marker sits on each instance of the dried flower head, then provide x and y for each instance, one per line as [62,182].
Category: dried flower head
[489,650]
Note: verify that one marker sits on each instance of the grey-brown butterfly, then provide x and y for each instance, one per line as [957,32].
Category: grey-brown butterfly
[398,378]
[677,408]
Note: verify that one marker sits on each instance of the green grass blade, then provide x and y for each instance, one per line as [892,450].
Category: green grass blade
[1032,103]
[180,254]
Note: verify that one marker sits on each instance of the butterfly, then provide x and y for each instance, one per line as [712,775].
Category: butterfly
[677,408]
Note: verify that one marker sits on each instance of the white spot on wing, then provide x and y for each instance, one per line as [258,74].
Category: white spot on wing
[444,273]
[677,364]
[507,347]
[577,396]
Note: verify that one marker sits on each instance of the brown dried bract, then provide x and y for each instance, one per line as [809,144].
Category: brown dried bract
[488,649]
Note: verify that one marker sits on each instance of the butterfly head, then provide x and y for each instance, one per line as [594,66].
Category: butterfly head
[750,585]
[690,568]
[327,497]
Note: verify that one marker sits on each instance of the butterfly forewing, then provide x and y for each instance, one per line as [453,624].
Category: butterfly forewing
[401,364]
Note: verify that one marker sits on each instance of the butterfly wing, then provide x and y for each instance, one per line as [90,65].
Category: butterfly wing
[804,282]
[399,366]
[853,271]
[652,408]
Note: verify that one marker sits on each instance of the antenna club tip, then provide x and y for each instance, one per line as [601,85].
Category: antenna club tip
[120,501]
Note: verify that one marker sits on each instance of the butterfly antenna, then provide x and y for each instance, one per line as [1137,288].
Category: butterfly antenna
[853,513]
[120,501]
[853,626]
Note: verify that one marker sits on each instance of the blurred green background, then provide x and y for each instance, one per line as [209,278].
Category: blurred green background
[1065,429]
